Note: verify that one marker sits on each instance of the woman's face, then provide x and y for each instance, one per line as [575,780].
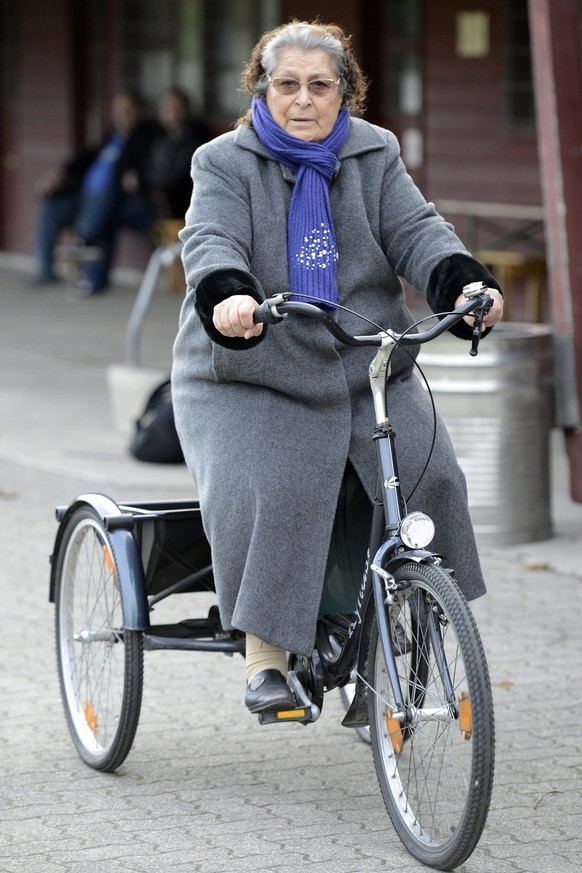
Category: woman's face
[305,115]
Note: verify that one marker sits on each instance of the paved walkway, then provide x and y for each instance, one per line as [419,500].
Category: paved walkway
[204,788]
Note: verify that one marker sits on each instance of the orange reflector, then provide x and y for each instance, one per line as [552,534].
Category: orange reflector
[395,731]
[108,557]
[91,717]
[465,718]
[290,713]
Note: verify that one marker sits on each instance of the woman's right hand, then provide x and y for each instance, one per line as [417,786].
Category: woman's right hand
[234,317]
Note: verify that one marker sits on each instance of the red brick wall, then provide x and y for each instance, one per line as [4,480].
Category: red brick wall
[37,116]
[471,152]
[347,14]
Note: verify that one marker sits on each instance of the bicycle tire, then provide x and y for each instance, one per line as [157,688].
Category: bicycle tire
[100,663]
[436,774]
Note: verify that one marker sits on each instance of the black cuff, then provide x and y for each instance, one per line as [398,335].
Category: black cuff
[218,286]
[447,281]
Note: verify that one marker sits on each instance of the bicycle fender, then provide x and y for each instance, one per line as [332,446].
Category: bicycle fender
[131,580]
[118,526]
[420,556]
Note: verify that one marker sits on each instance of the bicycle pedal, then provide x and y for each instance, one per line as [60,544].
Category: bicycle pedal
[302,714]
[305,712]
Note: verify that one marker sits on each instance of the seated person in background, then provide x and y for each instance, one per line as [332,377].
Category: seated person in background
[168,173]
[97,192]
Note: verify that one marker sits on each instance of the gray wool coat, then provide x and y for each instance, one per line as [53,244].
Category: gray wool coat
[267,431]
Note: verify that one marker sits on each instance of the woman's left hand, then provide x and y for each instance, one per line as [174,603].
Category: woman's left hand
[494,315]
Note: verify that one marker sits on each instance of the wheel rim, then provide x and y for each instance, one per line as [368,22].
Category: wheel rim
[428,764]
[91,650]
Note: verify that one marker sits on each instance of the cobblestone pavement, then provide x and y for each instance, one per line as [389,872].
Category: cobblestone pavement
[204,787]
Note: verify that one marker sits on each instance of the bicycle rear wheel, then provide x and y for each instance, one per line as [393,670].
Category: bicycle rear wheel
[435,767]
[100,662]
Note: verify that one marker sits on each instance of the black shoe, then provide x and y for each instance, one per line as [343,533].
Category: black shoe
[268,692]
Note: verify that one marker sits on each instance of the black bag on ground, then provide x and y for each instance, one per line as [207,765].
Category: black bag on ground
[155,440]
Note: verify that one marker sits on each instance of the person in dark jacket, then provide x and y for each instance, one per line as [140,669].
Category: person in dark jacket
[97,192]
[304,196]
[168,171]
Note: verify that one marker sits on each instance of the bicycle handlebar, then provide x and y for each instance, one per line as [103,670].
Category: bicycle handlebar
[274,309]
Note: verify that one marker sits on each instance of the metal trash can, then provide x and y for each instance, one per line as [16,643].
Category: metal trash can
[498,408]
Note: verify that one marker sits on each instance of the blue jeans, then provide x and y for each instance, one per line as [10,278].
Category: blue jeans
[54,214]
[95,217]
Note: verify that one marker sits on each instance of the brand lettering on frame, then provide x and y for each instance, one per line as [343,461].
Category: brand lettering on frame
[357,619]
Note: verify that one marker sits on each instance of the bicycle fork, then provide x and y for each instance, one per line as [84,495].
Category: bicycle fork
[404,710]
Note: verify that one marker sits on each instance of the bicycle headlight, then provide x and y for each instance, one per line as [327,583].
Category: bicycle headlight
[417,530]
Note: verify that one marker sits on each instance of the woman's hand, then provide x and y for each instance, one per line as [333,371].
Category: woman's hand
[234,317]
[494,315]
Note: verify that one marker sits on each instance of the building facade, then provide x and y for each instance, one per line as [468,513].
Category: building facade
[452,81]
[484,95]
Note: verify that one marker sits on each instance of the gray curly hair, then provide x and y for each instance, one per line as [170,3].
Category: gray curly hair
[307,37]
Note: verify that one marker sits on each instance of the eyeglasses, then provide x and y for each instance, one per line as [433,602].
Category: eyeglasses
[316,87]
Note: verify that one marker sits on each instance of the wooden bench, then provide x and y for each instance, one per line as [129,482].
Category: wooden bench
[508,239]
[165,235]
[518,274]
[503,224]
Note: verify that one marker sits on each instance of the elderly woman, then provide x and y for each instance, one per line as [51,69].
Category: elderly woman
[304,197]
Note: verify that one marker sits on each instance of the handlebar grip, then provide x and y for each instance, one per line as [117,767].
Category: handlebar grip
[265,313]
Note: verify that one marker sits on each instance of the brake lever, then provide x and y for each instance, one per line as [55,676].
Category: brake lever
[479,315]
[474,289]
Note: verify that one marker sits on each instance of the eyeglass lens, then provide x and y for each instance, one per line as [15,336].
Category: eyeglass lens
[317,87]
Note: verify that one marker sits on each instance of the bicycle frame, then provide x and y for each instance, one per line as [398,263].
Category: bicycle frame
[387,549]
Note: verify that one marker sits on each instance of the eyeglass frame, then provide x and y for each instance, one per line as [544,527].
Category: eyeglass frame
[336,83]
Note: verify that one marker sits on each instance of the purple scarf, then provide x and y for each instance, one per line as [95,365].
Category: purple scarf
[311,250]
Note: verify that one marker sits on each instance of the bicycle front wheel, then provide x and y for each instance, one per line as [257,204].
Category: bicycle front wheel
[435,759]
[100,662]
